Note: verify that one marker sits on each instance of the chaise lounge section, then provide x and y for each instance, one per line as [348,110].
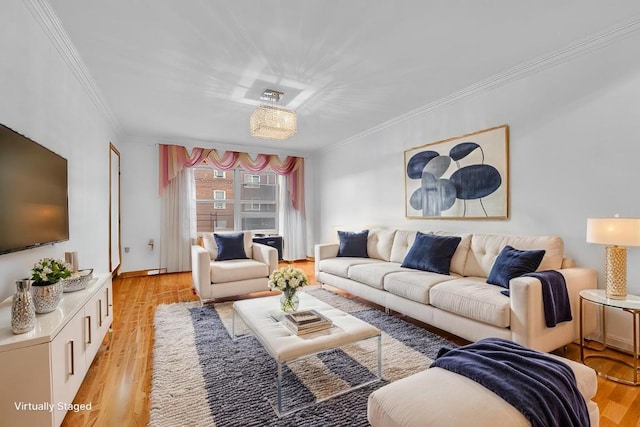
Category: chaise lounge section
[461,302]
[438,397]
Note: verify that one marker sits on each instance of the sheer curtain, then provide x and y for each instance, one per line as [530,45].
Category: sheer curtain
[292,225]
[178,222]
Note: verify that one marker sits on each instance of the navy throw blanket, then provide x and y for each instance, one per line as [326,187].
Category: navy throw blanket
[555,297]
[542,388]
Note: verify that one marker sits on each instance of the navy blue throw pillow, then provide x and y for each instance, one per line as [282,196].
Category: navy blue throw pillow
[431,253]
[512,263]
[353,244]
[230,246]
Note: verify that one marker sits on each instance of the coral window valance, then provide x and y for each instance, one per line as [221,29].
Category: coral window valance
[174,158]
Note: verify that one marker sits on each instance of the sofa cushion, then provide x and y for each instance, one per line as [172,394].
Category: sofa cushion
[431,253]
[340,266]
[402,242]
[460,255]
[485,249]
[413,285]
[353,244]
[230,246]
[473,298]
[379,244]
[209,243]
[237,269]
[373,274]
[512,263]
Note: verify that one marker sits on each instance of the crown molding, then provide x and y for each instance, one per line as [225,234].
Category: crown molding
[587,45]
[48,20]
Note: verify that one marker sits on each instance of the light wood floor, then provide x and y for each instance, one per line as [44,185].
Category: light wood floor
[119,380]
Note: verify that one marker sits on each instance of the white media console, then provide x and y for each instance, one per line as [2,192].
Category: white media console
[42,370]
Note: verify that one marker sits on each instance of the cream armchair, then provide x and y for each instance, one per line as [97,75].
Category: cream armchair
[217,279]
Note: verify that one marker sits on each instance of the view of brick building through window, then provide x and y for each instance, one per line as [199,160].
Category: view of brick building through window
[235,200]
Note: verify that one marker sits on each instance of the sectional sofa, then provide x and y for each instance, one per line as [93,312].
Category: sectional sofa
[461,302]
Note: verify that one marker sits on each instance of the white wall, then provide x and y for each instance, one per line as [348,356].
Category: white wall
[42,99]
[141,209]
[574,150]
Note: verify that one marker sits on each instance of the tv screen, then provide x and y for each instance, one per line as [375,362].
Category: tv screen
[34,209]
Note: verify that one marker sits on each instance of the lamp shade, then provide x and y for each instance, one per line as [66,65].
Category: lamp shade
[614,231]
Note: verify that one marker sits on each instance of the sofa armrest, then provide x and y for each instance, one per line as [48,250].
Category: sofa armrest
[266,255]
[200,269]
[527,312]
[324,251]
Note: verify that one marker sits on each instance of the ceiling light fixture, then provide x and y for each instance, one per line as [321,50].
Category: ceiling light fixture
[271,122]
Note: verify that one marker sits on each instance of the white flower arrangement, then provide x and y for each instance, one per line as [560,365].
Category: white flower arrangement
[287,279]
[49,271]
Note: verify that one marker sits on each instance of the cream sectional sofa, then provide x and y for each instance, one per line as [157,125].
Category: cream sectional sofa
[462,303]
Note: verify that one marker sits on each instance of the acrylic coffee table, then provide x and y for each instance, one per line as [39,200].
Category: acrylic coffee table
[286,347]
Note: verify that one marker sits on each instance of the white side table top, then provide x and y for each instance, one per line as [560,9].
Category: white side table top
[599,296]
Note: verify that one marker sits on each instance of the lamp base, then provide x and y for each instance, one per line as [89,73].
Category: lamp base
[616,272]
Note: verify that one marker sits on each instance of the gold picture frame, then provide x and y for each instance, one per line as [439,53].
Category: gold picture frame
[465,177]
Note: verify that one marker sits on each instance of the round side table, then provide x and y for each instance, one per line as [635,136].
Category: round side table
[631,305]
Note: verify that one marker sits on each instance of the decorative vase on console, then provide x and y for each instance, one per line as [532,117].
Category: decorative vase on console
[288,280]
[47,287]
[23,313]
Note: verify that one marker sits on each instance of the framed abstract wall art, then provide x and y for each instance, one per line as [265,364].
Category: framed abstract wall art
[465,177]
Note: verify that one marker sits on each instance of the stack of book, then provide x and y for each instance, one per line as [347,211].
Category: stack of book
[306,322]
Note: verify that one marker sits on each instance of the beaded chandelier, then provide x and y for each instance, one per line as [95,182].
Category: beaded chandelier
[270,122]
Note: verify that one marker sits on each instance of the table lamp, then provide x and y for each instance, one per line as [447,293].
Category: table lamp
[615,232]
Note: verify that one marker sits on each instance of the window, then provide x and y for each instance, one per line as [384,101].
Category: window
[219,195]
[238,201]
[252,206]
[251,181]
[218,173]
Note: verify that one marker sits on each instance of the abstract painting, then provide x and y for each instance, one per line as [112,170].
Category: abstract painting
[465,177]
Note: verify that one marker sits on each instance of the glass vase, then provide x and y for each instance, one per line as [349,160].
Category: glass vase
[289,300]
[23,313]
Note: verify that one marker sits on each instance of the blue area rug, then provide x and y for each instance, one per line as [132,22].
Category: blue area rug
[239,376]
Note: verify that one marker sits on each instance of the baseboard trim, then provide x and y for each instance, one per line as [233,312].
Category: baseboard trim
[138,273]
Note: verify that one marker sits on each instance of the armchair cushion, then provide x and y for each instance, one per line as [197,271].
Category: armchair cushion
[238,269]
[209,243]
[230,246]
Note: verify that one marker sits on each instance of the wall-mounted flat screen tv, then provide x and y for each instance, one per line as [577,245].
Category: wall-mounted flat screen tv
[34,208]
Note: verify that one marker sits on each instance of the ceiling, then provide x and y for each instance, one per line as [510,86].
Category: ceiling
[193,70]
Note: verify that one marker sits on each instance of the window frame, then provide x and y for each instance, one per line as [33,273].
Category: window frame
[249,208]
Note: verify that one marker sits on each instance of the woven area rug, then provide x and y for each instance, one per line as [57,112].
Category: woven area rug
[201,377]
